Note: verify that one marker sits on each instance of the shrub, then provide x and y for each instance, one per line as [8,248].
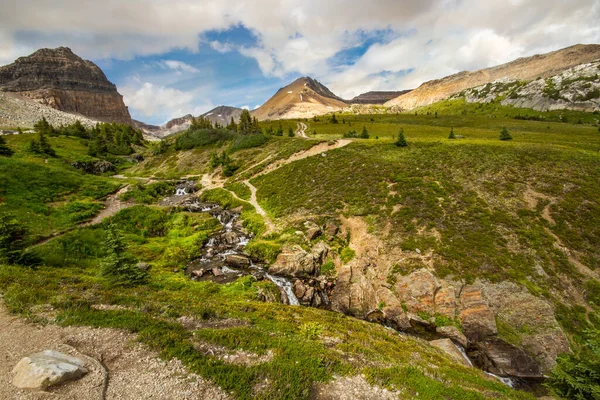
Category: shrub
[119,267]
[505,134]
[401,141]
[311,330]
[577,376]
[365,133]
[452,135]
[4,149]
[12,234]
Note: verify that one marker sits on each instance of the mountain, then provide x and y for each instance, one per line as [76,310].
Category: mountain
[577,88]
[527,69]
[60,79]
[303,98]
[376,97]
[221,115]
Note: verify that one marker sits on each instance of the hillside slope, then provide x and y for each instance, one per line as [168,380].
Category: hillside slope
[303,98]
[528,68]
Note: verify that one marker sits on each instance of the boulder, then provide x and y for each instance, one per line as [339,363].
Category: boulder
[450,348]
[238,260]
[445,302]
[313,230]
[294,261]
[504,359]
[45,369]
[452,332]
[331,229]
[95,167]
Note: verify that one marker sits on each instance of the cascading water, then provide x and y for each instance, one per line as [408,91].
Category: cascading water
[222,258]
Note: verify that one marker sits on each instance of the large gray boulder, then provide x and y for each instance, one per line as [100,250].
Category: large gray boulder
[45,369]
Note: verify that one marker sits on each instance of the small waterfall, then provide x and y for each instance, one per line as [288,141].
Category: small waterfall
[181,192]
[464,353]
[510,382]
[286,286]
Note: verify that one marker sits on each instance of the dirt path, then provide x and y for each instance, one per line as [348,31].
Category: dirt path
[301,131]
[259,209]
[134,371]
[313,151]
[112,205]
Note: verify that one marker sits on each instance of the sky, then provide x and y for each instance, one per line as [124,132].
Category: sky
[171,58]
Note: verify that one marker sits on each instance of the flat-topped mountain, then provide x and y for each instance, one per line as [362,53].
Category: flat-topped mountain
[527,68]
[303,98]
[376,97]
[64,81]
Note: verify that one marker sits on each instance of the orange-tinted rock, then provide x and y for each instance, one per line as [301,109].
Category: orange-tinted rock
[475,315]
[445,302]
[417,290]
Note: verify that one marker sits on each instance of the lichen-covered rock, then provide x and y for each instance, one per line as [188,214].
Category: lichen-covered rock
[294,261]
[475,315]
[452,332]
[417,290]
[45,369]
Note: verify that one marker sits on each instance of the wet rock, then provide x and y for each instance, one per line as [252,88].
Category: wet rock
[450,348]
[217,272]
[45,369]
[476,317]
[504,359]
[238,260]
[452,332]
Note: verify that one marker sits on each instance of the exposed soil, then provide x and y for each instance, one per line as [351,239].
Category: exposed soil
[132,371]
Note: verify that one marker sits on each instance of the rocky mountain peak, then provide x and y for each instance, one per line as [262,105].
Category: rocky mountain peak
[64,81]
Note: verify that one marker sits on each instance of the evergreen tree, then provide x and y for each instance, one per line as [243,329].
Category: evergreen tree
[256,127]
[279,130]
[4,149]
[401,141]
[43,127]
[451,136]
[232,126]
[505,134]
[365,133]
[119,267]
[45,145]
[333,119]
[577,376]
[12,234]
[291,132]
[245,125]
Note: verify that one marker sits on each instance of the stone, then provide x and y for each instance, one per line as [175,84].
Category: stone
[445,302]
[331,229]
[45,369]
[294,261]
[418,290]
[238,260]
[476,317]
[60,79]
[143,266]
[504,359]
[313,233]
[217,271]
[452,332]
[95,167]
[450,348]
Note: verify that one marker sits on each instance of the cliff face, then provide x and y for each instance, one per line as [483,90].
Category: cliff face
[376,97]
[62,80]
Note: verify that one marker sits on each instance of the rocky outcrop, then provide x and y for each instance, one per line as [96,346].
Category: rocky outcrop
[60,79]
[376,97]
[296,262]
[447,346]
[528,68]
[45,369]
[95,167]
[577,88]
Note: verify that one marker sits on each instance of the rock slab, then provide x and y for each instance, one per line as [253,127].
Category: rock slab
[45,369]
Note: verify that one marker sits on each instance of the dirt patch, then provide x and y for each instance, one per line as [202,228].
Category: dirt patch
[112,205]
[532,199]
[238,357]
[133,371]
[352,388]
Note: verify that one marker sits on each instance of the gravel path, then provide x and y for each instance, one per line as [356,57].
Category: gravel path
[134,371]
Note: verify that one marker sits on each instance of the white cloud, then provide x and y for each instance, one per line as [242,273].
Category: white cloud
[425,38]
[245,107]
[154,101]
[179,66]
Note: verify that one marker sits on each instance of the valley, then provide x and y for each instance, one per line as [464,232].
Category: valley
[313,248]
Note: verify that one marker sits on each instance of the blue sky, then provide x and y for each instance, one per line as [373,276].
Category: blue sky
[170,58]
